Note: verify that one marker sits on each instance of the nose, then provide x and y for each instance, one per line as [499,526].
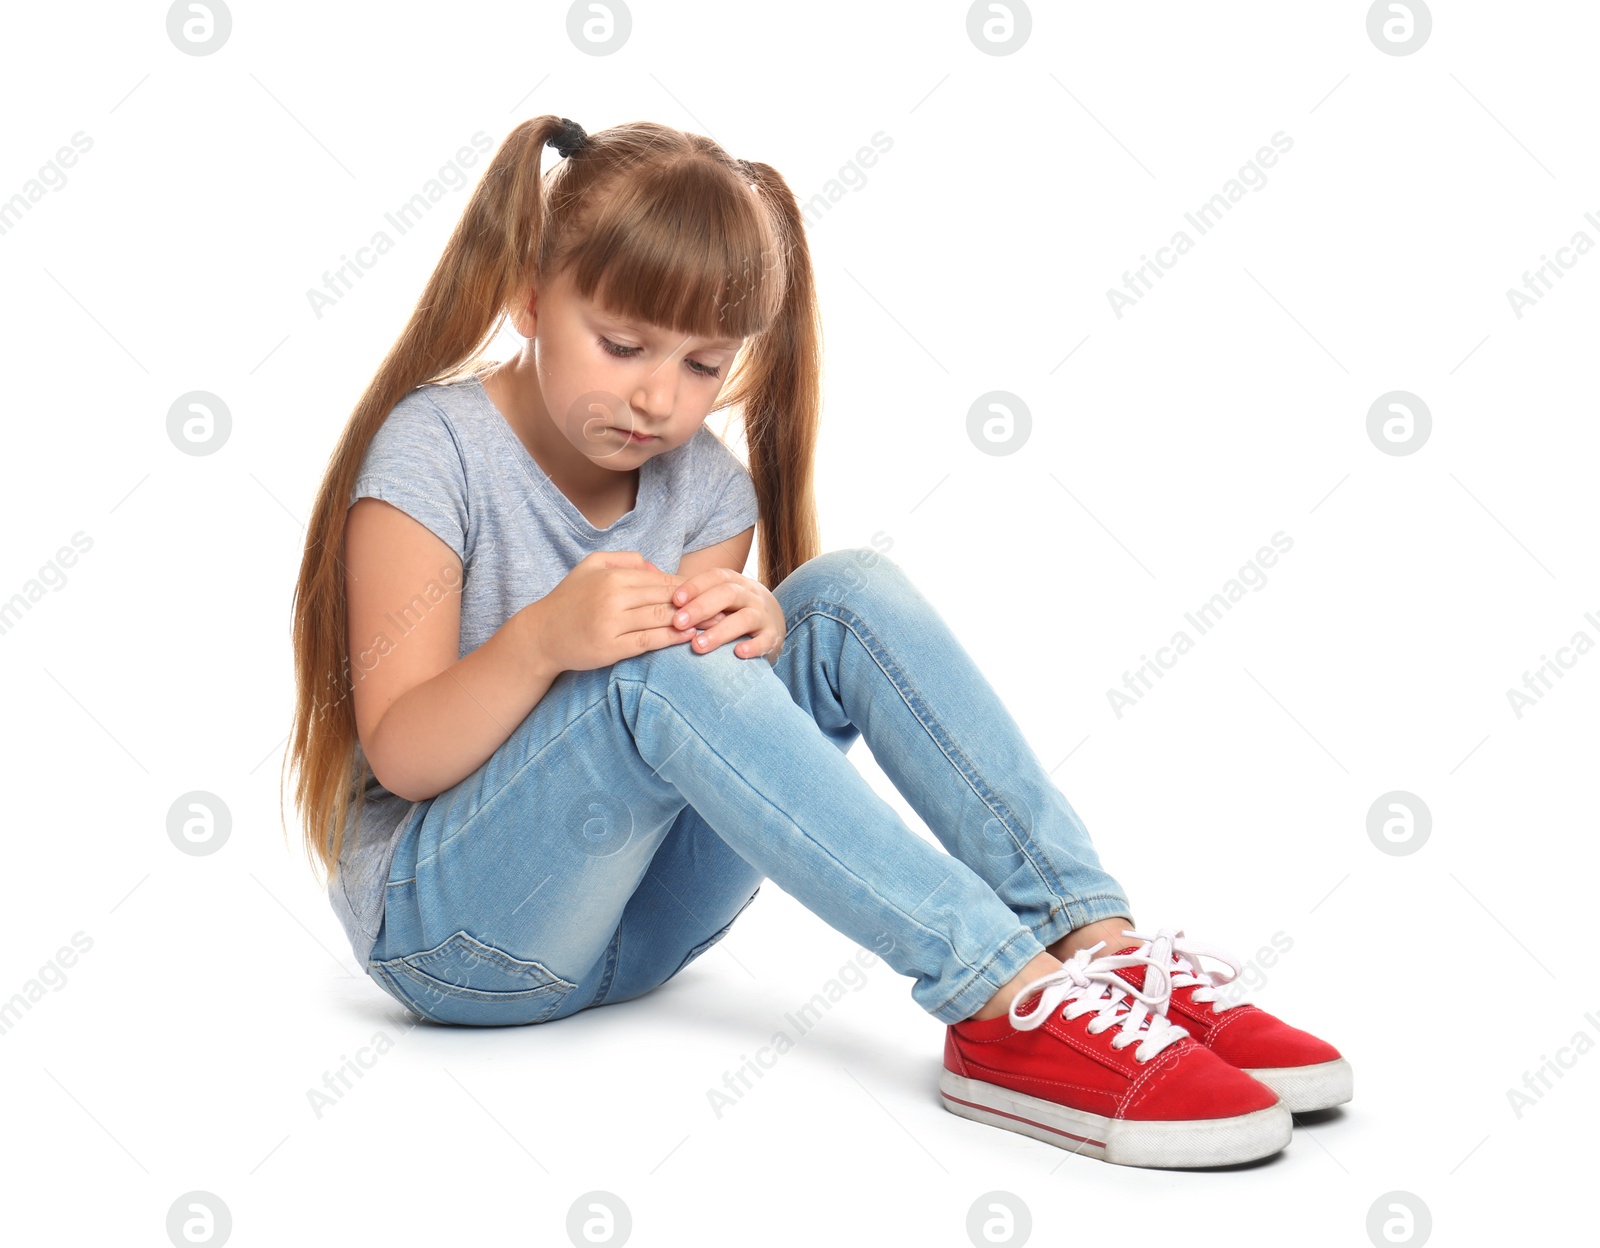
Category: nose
[656,393]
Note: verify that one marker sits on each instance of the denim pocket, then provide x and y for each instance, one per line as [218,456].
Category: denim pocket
[715,937]
[464,980]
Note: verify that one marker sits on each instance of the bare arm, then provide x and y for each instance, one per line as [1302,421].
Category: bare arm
[426,718]
[732,554]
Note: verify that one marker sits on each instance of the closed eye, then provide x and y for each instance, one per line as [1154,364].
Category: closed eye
[627,353]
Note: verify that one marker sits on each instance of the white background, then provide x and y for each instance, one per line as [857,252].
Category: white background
[1230,403]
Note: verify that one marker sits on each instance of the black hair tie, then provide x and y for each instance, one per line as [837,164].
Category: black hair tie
[570,139]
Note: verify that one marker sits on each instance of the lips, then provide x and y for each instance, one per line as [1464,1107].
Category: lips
[637,438]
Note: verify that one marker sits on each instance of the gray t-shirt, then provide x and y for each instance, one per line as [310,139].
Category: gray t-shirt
[446,456]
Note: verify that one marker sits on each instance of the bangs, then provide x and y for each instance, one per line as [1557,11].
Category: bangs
[683,244]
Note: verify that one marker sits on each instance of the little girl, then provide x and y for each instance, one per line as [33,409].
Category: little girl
[550,740]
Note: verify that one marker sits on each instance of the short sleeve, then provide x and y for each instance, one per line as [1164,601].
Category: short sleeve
[415,464]
[729,496]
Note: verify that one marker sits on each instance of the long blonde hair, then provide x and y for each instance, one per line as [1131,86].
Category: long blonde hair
[665,227]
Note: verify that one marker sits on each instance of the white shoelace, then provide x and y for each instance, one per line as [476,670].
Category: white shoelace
[1090,985]
[1180,958]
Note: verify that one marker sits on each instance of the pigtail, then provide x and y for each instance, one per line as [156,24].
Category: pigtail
[780,388]
[492,252]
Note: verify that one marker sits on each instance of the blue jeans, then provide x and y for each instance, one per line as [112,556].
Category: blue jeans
[634,813]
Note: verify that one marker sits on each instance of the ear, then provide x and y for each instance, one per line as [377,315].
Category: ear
[523,310]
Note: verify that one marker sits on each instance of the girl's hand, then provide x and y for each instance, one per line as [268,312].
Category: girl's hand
[728,605]
[612,604]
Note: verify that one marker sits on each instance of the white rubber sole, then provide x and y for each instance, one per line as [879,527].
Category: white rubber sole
[1161,1145]
[1302,1089]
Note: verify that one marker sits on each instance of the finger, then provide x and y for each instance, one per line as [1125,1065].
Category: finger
[668,636]
[644,637]
[738,623]
[760,643]
[699,583]
[689,633]
[652,614]
[726,596]
[756,647]
[656,638]
[646,589]
[688,590]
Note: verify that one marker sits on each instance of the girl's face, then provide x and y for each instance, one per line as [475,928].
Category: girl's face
[621,392]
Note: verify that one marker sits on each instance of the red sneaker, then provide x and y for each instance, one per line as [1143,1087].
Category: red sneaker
[1081,1062]
[1305,1072]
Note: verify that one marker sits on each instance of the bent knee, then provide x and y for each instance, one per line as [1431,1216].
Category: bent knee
[842,577]
[720,672]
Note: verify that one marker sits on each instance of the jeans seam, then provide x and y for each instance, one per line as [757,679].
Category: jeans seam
[612,957]
[917,705]
[980,976]
[401,999]
[1078,904]
[646,691]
